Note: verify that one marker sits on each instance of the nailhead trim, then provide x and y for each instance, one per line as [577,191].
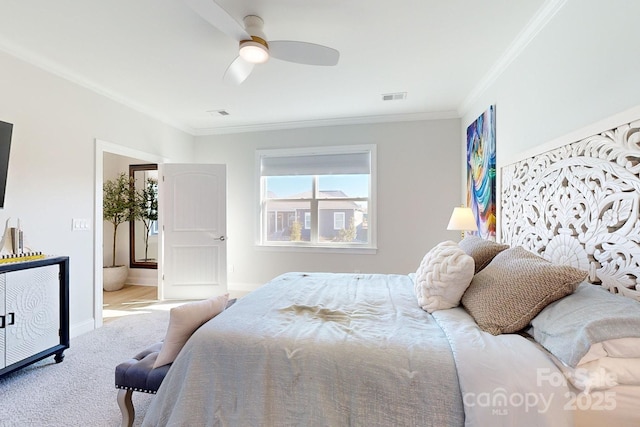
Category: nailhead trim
[121,387]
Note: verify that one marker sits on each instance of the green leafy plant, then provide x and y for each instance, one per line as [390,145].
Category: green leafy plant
[118,204]
[296,232]
[146,209]
[347,234]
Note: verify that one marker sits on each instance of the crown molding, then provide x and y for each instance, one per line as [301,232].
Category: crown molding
[328,122]
[51,67]
[542,17]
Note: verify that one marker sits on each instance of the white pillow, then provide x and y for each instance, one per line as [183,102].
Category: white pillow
[621,347]
[183,321]
[442,277]
[604,373]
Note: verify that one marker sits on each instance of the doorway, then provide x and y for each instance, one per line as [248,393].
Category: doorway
[106,152]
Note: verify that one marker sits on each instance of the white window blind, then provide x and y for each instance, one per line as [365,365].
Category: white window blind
[320,164]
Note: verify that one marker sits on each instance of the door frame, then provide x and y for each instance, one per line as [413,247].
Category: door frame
[102,147]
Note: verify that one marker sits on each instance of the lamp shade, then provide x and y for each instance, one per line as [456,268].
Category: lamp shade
[462,219]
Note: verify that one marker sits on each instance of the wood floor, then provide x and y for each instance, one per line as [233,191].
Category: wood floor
[128,300]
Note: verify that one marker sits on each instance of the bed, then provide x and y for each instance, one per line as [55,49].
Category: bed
[542,329]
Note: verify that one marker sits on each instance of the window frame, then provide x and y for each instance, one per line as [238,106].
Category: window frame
[314,244]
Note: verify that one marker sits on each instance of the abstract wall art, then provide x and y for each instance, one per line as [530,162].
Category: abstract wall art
[481,172]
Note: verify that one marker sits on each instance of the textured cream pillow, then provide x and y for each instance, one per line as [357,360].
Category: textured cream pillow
[508,293]
[442,277]
[183,321]
[482,251]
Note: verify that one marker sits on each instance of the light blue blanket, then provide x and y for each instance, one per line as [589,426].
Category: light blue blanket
[315,349]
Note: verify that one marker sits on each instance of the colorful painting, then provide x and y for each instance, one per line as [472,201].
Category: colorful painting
[481,172]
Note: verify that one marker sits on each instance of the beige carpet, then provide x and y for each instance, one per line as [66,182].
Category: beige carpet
[80,391]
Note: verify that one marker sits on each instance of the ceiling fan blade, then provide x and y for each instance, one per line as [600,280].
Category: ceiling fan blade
[219,18]
[303,53]
[237,71]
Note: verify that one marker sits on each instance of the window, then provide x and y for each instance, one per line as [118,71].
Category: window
[338,220]
[326,195]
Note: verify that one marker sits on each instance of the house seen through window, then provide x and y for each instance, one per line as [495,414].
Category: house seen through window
[317,197]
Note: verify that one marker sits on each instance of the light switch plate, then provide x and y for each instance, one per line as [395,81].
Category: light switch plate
[80,224]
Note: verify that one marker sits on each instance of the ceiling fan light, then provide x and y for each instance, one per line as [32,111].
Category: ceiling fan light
[254,52]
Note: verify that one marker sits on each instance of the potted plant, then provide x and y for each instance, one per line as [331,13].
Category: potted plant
[118,206]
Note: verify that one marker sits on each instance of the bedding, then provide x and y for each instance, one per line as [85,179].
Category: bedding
[357,346]
[598,411]
[617,347]
[319,349]
[594,337]
[505,380]
[589,318]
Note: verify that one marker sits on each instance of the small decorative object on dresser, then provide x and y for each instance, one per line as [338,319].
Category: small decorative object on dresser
[34,311]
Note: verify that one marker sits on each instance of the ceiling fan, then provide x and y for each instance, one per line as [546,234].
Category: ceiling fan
[253,45]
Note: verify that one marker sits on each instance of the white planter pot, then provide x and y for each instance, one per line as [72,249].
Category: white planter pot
[113,278]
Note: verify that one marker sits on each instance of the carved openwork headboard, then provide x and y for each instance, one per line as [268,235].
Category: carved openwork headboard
[579,205]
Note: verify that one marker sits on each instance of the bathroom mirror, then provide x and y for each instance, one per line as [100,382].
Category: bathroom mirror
[143,232]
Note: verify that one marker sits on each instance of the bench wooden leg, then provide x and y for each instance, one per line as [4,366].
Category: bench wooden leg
[126,407]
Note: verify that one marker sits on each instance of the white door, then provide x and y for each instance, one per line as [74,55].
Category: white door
[192,215]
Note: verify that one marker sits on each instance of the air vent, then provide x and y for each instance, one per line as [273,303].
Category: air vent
[218,112]
[394,96]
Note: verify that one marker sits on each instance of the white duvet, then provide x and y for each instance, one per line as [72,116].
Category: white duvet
[505,380]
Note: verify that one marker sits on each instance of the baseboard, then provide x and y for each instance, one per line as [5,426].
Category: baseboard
[81,328]
[142,277]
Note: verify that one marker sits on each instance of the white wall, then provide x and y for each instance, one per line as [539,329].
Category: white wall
[418,182]
[52,165]
[581,68]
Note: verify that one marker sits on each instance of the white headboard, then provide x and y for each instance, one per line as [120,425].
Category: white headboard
[579,205]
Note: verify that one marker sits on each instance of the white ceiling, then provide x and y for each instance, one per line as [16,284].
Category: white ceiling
[161,58]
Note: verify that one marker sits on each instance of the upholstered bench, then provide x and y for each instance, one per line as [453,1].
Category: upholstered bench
[138,374]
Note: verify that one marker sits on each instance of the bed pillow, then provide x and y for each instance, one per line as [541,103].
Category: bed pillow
[628,347]
[515,287]
[591,319]
[482,251]
[183,321]
[442,277]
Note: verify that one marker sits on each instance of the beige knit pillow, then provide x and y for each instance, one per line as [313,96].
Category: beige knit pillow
[507,294]
[482,251]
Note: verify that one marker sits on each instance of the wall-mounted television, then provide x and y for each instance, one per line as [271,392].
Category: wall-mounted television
[6,129]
